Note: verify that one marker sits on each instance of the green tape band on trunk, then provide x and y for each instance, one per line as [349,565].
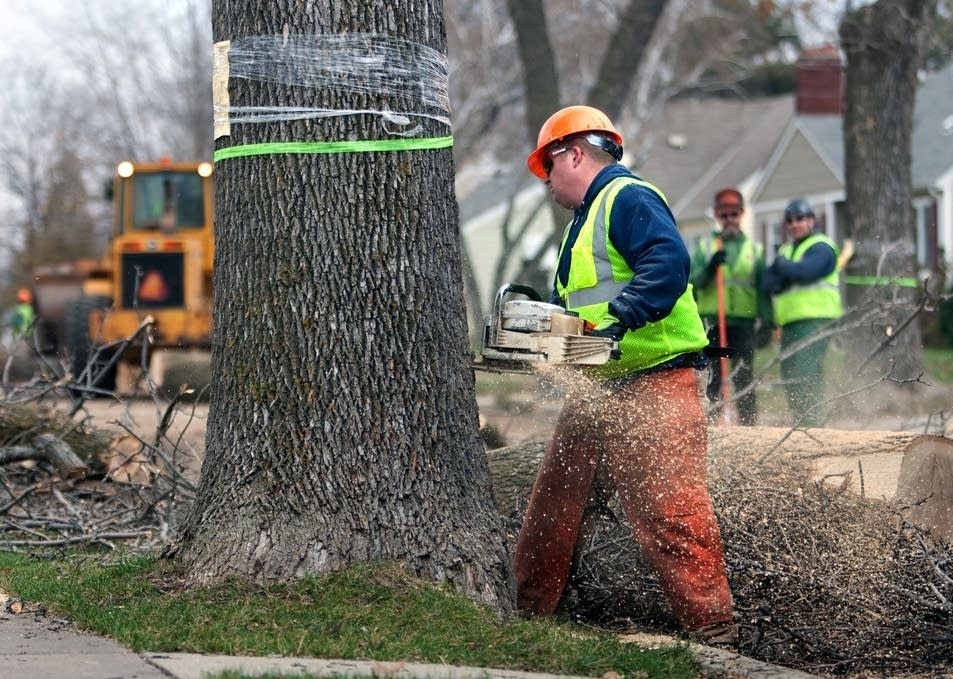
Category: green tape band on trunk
[902,282]
[278,148]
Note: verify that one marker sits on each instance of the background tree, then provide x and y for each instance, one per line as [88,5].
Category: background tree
[49,218]
[64,228]
[884,43]
[107,81]
[939,48]
[147,91]
[343,425]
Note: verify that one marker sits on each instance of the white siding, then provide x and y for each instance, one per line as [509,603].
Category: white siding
[798,172]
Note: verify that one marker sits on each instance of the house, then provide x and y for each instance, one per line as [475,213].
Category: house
[699,146]
[772,149]
[932,170]
[808,161]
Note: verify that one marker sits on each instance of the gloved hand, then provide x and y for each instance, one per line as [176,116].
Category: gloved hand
[613,331]
[784,267]
[774,282]
[717,259]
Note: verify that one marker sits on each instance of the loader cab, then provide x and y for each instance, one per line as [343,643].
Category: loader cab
[162,248]
[161,197]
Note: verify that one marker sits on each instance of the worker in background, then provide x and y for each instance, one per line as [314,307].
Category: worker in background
[23,316]
[747,308]
[804,284]
[636,420]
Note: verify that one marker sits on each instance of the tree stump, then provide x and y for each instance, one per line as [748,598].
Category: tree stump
[925,486]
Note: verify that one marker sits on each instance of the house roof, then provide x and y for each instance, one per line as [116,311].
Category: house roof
[695,147]
[691,149]
[493,190]
[826,135]
[808,160]
[819,139]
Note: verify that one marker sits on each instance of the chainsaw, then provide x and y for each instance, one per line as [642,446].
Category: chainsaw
[522,333]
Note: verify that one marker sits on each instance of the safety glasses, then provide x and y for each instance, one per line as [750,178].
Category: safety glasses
[548,158]
[791,220]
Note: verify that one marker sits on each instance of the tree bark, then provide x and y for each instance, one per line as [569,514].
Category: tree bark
[343,422]
[884,43]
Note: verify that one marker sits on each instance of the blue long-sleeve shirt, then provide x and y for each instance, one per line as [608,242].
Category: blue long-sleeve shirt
[816,262]
[642,229]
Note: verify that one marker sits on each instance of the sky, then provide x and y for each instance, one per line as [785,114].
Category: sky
[21,24]
[21,21]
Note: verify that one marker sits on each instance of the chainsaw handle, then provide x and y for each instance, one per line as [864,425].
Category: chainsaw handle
[511,288]
[504,290]
[519,289]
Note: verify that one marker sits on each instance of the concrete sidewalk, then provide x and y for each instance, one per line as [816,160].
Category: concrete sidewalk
[35,646]
[38,647]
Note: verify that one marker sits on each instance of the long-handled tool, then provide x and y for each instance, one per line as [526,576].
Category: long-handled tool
[727,413]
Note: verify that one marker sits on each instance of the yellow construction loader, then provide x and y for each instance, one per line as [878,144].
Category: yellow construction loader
[154,283]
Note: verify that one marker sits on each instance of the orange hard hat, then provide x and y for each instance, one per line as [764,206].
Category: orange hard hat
[729,197]
[569,121]
[24,296]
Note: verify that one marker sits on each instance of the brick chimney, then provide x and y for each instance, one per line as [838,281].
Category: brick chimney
[819,77]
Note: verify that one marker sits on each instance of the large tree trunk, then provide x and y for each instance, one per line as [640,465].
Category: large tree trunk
[343,424]
[883,42]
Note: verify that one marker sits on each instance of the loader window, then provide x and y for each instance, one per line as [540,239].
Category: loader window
[167,201]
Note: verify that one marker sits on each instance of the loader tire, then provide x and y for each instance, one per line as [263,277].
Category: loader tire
[80,347]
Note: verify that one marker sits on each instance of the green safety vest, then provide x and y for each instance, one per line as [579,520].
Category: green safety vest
[22,322]
[741,292]
[598,273]
[817,299]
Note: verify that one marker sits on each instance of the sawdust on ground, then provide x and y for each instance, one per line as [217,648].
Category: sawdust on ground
[862,451]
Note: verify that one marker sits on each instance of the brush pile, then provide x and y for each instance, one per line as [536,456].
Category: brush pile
[824,580]
[99,488]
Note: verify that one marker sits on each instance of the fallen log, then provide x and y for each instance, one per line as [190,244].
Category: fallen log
[19,423]
[925,485]
[50,449]
[824,453]
[29,431]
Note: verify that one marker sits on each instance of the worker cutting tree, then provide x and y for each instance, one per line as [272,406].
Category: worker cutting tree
[624,268]
[727,270]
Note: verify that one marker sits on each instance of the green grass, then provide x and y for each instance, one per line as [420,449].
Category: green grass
[378,613]
[939,364]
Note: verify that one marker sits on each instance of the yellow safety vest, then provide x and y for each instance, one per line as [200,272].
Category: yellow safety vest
[741,293]
[817,299]
[23,318]
[598,273]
